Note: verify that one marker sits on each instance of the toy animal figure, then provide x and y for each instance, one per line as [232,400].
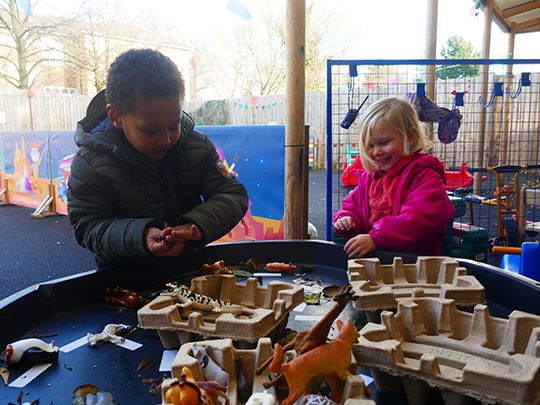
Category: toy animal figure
[186,391]
[307,340]
[31,351]
[314,399]
[108,334]
[331,360]
[243,388]
[262,398]
[186,299]
[210,369]
[125,297]
[279,267]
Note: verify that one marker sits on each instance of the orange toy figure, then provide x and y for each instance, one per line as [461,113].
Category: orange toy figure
[125,297]
[186,391]
[279,267]
[331,360]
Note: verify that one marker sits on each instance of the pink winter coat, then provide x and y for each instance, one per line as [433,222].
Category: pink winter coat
[421,209]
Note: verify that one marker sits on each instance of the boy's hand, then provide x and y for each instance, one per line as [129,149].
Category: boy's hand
[359,246]
[162,244]
[344,224]
[171,241]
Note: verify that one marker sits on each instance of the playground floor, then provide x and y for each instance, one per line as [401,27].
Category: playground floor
[38,250]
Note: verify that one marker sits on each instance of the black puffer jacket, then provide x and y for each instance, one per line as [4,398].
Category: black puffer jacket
[113,197]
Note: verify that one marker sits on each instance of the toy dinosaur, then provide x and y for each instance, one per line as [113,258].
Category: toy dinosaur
[307,340]
[279,267]
[331,360]
[125,297]
[186,299]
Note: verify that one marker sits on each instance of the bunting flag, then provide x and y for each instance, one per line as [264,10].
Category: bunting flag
[238,8]
[394,81]
[203,48]
[218,33]
[25,5]
[276,97]
[254,99]
[54,93]
[31,93]
[370,85]
[193,65]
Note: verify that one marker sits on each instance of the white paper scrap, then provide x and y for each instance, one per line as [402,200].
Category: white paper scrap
[300,308]
[30,375]
[129,344]
[74,345]
[367,379]
[308,318]
[266,274]
[166,360]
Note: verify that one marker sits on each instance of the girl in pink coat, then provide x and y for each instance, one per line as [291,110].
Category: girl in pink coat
[400,202]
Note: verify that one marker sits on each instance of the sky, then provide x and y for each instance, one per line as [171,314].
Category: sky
[389,29]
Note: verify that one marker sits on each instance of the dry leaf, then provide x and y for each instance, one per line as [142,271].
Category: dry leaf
[155,388]
[20,397]
[145,364]
[5,375]
[35,402]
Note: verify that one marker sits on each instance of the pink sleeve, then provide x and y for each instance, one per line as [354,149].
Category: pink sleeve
[424,212]
[352,207]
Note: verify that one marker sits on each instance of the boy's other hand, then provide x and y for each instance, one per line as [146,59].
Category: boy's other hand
[162,243]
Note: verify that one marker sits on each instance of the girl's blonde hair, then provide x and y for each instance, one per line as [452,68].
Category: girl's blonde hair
[398,114]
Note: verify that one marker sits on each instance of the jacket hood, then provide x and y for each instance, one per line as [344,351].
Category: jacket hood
[95,131]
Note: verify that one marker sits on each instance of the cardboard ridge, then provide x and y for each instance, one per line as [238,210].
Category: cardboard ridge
[430,343]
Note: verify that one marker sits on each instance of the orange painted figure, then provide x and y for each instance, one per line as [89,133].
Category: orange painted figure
[186,391]
[279,267]
[331,360]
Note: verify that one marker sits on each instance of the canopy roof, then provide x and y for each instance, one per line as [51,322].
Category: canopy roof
[525,14]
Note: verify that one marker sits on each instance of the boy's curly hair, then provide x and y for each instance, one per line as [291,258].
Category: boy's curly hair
[399,114]
[144,73]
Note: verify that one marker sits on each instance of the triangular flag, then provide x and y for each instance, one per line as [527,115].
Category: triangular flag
[238,8]
[25,5]
[370,85]
[7,91]
[218,33]
[54,93]
[193,65]
[394,81]
[276,96]
[254,100]
[31,93]
[203,48]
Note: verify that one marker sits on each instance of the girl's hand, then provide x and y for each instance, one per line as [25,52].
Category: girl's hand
[359,246]
[344,224]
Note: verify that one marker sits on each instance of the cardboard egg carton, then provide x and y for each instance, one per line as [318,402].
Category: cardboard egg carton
[265,314]
[223,352]
[379,287]
[430,343]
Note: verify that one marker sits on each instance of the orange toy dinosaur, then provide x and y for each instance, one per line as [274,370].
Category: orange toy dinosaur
[307,340]
[331,360]
[186,391]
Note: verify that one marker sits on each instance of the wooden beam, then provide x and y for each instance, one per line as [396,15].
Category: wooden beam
[510,12]
[526,24]
[295,148]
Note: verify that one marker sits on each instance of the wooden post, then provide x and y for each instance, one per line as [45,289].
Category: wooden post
[431,53]
[508,100]
[295,147]
[484,74]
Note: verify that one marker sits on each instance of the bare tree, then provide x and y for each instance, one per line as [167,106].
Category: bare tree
[27,46]
[255,53]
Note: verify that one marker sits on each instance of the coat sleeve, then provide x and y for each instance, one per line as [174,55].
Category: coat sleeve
[93,213]
[425,211]
[354,206]
[225,200]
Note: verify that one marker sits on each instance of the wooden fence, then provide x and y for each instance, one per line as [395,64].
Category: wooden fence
[512,134]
